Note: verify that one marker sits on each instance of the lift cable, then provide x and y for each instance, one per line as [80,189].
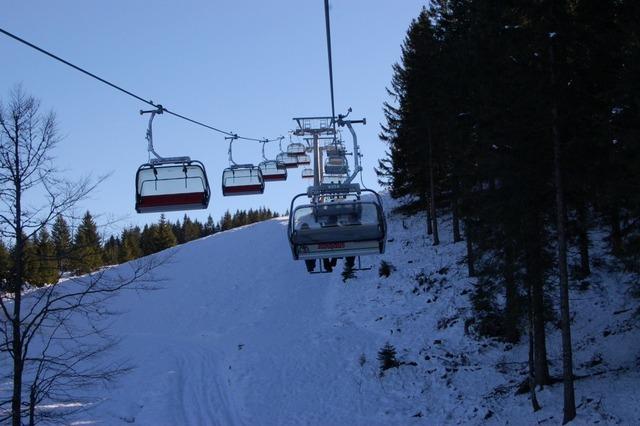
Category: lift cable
[133,95]
[328,26]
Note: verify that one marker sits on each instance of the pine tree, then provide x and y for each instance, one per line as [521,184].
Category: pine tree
[130,245]
[86,246]
[164,237]
[61,237]
[387,358]
[47,271]
[111,251]
[209,226]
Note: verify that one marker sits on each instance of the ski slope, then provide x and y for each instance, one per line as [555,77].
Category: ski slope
[240,334]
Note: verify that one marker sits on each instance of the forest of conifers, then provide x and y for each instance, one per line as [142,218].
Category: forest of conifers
[83,249]
[505,114]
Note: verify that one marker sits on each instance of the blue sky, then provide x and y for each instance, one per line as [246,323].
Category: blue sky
[244,66]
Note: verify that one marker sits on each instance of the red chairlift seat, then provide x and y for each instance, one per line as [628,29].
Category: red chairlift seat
[245,179]
[273,171]
[171,186]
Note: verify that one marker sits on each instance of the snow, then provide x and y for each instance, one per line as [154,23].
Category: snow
[241,334]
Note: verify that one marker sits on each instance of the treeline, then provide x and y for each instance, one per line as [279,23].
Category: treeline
[522,119]
[54,252]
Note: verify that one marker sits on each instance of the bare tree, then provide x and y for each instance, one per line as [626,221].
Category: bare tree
[52,353]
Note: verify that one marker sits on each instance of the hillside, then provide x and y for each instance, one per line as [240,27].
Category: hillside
[241,334]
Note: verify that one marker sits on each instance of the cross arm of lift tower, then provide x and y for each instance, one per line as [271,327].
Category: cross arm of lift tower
[316,127]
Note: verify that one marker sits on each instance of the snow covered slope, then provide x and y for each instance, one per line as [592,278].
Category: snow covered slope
[242,334]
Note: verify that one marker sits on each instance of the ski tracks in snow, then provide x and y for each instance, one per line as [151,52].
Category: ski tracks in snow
[200,395]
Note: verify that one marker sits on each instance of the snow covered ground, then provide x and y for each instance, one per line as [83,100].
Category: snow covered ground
[241,334]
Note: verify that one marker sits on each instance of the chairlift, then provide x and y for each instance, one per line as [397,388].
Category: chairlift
[329,179]
[167,184]
[336,165]
[296,148]
[241,179]
[272,170]
[303,159]
[307,173]
[290,162]
[342,225]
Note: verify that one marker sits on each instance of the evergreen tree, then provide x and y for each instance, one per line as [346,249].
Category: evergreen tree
[148,238]
[87,251]
[130,246]
[190,229]
[111,251]
[209,226]
[61,237]
[47,271]
[164,236]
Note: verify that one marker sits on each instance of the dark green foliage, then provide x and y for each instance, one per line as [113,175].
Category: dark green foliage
[479,81]
[164,237]
[45,263]
[348,272]
[130,245]
[111,251]
[87,251]
[61,237]
[385,269]
[387,358]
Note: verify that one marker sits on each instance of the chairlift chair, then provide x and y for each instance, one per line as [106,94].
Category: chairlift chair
[272,170]
[172,186]
[329,179]
[167,184]
[296,148]
[344,225]
[241,179]
[307,173]
[290,162]
[336,165]
[303,159]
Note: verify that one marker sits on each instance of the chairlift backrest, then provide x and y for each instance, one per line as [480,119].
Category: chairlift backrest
[171,186]
[296,148]
[289,161]
[303,159]
[245,179]
[307,173]
[273,170]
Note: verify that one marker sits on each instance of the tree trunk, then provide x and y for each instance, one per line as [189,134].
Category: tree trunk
[511,314]
[470,258]
[535,279]
[455,214]
[432,194]
[542,365]
[532,380]
[583,240]
[16,321]
[616,232]
[569,408]
[429,223]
